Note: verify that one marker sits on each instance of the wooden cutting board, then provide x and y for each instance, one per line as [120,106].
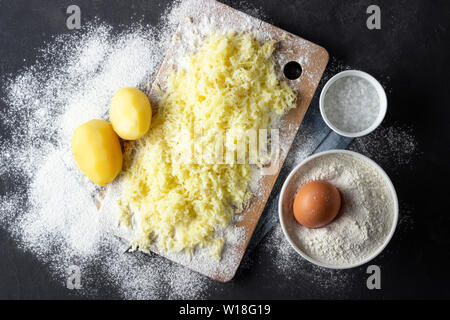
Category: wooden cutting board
[313,60]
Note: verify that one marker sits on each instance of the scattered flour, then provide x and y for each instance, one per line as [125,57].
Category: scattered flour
[49,208]
[290,264]
[74,76]
[393,147]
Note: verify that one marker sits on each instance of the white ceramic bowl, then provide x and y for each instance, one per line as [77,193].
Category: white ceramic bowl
[381,94]
[286,214]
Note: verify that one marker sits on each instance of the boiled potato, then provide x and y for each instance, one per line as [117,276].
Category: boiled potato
[130,113]
[97,151]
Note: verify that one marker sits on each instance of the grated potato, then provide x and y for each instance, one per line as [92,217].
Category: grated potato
[228,85]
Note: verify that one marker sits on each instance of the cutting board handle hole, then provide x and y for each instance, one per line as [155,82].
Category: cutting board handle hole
[292,70]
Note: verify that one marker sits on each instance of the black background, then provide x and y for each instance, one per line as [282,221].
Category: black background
[410,53]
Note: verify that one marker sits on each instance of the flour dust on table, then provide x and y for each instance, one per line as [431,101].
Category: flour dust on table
[52,213]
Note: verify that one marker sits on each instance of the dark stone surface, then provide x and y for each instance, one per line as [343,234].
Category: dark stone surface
[409,54]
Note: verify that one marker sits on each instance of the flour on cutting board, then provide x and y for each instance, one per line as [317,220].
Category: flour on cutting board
[48,211]
[201,260]
[52,214]
[198,19]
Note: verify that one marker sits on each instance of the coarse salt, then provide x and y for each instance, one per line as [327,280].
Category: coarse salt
[351,104]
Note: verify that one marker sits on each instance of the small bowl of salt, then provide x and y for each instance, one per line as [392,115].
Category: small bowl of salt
[353,103]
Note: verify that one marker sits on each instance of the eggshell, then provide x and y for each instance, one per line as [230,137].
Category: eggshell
[316,204]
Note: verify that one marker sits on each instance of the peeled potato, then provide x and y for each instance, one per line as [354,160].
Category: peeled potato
[130,113]
[97,151]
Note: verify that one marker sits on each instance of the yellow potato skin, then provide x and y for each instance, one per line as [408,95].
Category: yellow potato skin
[130,113]
[97,151]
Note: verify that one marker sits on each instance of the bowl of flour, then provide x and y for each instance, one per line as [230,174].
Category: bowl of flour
[367,219]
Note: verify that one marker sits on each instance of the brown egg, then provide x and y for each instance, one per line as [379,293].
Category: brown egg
[316,204]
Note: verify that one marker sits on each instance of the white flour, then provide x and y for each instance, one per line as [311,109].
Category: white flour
[51,213]
[198,19]
[47,211]
[290,264]
[392,147]
[367,214]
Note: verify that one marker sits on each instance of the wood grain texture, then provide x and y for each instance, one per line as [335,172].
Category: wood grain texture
[313,60]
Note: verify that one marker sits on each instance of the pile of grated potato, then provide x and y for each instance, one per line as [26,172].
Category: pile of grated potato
[177,203]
